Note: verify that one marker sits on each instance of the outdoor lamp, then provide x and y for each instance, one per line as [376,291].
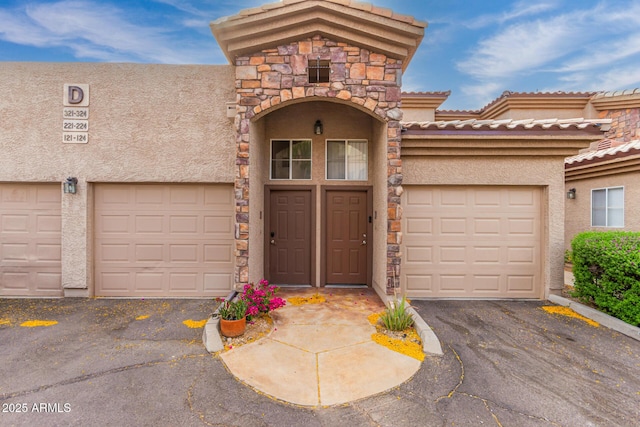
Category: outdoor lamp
[571,194]
[317,128]
[70,185]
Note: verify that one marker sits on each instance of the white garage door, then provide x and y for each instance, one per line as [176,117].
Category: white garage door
[472,242]
[30,240]
[163,240]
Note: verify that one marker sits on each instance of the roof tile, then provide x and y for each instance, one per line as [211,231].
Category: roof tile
[612,94]
[578,123]
[599,154]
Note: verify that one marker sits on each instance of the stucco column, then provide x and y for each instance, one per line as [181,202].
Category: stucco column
[75,256]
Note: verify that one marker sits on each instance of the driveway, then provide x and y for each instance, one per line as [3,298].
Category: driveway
[520,366]
[135,362]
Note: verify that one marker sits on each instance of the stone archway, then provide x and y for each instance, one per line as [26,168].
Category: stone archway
[271,77]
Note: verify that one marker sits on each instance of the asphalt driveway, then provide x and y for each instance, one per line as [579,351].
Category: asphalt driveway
[141,362]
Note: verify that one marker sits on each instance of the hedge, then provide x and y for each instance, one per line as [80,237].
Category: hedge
[606,267]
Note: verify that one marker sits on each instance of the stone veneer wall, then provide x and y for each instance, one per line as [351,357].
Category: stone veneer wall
[625,124]
[274,76]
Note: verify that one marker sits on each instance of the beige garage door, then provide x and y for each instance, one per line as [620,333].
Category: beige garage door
[472,242]
[161,240]
[30,240]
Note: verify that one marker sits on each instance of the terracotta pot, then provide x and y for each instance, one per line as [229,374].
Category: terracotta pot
[233,328]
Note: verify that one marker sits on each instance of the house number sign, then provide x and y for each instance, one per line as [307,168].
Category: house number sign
[75,114]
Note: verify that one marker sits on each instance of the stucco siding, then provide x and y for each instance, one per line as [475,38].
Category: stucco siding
[140,117]
[578,210]
[147,123]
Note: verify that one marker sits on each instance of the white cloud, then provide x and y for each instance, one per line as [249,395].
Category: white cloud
[611,78]
[482,94]
[519,9]
[583,49]
[19,29]
[98,31]
[522,48]
[603,53]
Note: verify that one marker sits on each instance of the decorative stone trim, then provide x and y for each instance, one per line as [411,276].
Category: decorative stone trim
[271,77]
[625,123]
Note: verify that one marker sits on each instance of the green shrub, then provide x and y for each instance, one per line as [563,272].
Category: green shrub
[568,257]
[396,317]
[606,267]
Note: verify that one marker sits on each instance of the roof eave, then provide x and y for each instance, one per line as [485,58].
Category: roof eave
[377,29]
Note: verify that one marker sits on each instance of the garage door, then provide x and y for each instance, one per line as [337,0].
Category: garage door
[472,242]
[30,240]
[163,240]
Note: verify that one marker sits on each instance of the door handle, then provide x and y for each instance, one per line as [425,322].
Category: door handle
[364,242]
[273,242]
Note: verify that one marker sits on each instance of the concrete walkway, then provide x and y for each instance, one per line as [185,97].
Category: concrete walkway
[322,353]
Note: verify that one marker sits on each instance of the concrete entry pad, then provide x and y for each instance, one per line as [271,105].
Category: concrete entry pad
[322,354]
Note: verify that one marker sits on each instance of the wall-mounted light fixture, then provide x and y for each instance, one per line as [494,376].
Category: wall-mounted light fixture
[318,129]
[71,185]
[571,194]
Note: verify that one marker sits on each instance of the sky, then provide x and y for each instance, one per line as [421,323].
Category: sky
[477,49]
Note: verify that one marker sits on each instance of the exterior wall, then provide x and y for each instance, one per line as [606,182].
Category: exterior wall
[271,78]
[625,125]
[578,210]
[545,172]
[340,121]
[147,123]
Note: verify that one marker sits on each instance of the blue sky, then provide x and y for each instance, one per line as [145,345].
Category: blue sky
[475,48]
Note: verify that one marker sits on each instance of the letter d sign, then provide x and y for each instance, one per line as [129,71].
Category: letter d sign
[76,95]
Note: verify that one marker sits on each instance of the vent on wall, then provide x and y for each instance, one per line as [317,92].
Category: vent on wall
[231,110]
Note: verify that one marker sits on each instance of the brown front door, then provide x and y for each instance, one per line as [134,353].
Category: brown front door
[347,237]
[289,237]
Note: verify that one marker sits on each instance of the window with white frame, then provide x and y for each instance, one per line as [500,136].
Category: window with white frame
[607,207]
[347,159]
[290,159]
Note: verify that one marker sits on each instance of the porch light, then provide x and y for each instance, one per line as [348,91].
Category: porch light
[318,128]
[70,185]
[571,194]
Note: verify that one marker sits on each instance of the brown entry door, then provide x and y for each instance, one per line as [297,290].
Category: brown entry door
[347,239]
[289,237]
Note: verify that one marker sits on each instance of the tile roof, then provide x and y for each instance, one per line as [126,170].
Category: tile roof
[617,93]
[632,147]
[475,124]
[427,94]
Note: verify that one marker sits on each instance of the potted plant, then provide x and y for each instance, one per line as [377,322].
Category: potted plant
[233,317]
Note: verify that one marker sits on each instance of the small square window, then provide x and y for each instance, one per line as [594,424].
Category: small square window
[291,159]
[319,70]
[347,160]
[607,207]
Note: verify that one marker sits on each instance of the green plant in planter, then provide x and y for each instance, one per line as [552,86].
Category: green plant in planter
[396,317]
[232,310]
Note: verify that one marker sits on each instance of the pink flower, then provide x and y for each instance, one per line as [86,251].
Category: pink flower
[260,299]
